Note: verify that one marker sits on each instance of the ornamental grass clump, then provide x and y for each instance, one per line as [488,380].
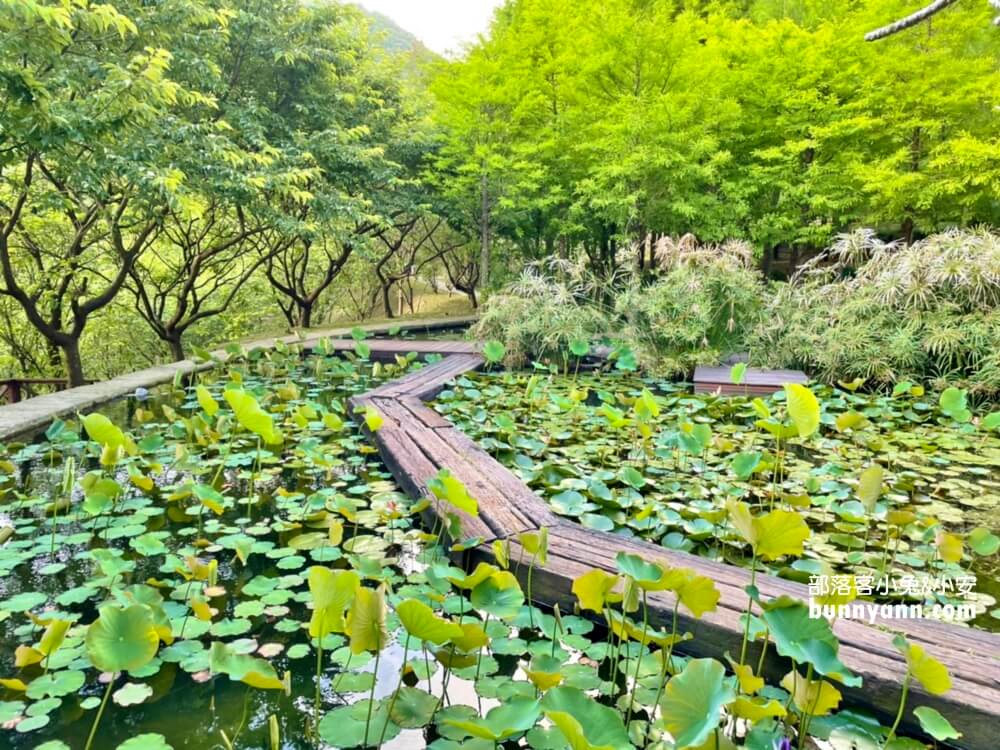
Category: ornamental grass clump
[886,312]
[699,308]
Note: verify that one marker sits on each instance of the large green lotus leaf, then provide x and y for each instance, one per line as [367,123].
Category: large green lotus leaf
[332,593]
[412,708]
[500,595]
[803,408]
[693,700]
[745,464]
[591,726]
[122,638]
[507,720]
[807,640]
[348,726]
[421,622]
[255,672]
[494,351]
[983,541]
[953,403]
[366,621]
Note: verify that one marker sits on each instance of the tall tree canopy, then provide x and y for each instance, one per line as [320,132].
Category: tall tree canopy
[589,123]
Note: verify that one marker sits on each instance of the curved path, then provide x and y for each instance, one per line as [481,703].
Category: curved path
[415,442]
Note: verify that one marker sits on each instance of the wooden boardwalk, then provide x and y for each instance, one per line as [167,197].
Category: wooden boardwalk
[415,442]
[30,416]
[756,382]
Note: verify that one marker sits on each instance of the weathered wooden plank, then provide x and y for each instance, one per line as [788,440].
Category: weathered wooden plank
[971,704]
[495,509]
[756,381]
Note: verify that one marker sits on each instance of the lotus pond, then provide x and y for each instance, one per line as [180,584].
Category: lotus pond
[903,487]
[228,565]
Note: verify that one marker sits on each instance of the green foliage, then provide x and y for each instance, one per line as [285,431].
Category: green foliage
[541,314]
[929,312]
[700,307]
[585,125]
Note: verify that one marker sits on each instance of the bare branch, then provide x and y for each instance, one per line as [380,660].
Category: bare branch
[911,20]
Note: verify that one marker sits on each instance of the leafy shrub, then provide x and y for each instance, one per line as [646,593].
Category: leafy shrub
[700,308]
[884,312]
[539,315]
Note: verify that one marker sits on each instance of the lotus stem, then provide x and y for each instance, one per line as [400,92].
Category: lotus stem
[371,699]
[746,629]
[479,664]
[531,615]
[902,706]
[100,712]
[319,669]
[666,661]
[638,660]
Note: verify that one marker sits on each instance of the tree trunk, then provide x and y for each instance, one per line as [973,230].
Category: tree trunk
[484,232]
[305,314]
[473,299]
[73,363]
[176,346]
[387,301]
[907,230]
[765,261]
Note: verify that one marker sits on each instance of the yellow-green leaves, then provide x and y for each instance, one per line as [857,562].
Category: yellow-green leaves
[592,589]
[772,535]
[421,622]
[697,593]
[815,697]
[114,442]
[251,416]
[949,546]
[205,400]
[247,669]
[536,544]
[373,420]
[449,489]
[779,533]
[870,486]
[366,621]
[803,408]
[931,673]
[332,591]
[646,407]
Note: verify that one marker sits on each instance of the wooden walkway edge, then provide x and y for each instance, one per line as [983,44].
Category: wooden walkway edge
[32,415]
[415,442]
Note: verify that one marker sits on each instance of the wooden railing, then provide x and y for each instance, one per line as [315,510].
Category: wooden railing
[13,390]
